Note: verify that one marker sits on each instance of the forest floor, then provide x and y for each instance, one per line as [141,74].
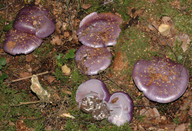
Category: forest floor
[20,108]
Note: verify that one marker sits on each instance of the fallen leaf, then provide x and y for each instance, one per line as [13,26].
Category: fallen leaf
[20,126]
[50,79]
[164,29]
[66,70]
[24,74]
[86,6]
[56,40]
[36,87]
[67,115]
[184,38]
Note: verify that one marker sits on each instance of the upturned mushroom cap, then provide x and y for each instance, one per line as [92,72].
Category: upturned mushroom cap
[99,30]
[92,60]
[92,87]
[160,79]
[18,42]
[36,20]
[120,105]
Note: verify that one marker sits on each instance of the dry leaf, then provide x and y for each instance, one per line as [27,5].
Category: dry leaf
[66,70]
[86,6]
[67,115]
[56,40]
[24,74]
[50,79]
[184,38]
[164,29]
[42,94]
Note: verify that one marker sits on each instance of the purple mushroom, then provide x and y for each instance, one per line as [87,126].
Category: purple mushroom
[120,105]
[99,30]
[18,42]
[92,96]
[92,87]
[35,20]
[92,60]
[161,79]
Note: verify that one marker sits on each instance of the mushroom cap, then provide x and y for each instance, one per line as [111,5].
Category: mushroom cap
[99,30]
[160,79]
[120,105]
[36,20]
[18,42]
[93,87]
[92,60]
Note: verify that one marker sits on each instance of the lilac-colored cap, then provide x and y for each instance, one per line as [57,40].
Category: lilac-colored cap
[99,30]
[90,61]
[18,42]
[36,20]
[120,105]
[92,86]
[161,79]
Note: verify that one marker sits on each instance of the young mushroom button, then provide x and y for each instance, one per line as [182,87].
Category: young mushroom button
[99,30]
[35,20]
[161,79]
[18,42]
[91,61]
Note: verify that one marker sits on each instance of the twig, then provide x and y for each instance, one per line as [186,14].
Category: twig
[26,103]
[20,79]
[114,83]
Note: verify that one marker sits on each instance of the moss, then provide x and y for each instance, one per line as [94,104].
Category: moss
[134,45]
[12,113]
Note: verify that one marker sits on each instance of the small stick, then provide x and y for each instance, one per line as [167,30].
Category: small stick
[27,103]
[20,79]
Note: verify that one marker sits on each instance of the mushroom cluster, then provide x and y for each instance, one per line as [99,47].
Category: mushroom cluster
[96,32]
[32,24]
[160,79]
[93,97]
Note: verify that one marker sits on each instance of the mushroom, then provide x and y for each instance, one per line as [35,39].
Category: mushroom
[99,30]
[35,20]
[18,42]
[92,96]
[120,105]
[92,60]
[160,79]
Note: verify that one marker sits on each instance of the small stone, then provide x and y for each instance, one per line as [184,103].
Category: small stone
[156,112]
[180,127]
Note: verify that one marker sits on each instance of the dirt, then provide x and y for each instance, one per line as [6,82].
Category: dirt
[148,115]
